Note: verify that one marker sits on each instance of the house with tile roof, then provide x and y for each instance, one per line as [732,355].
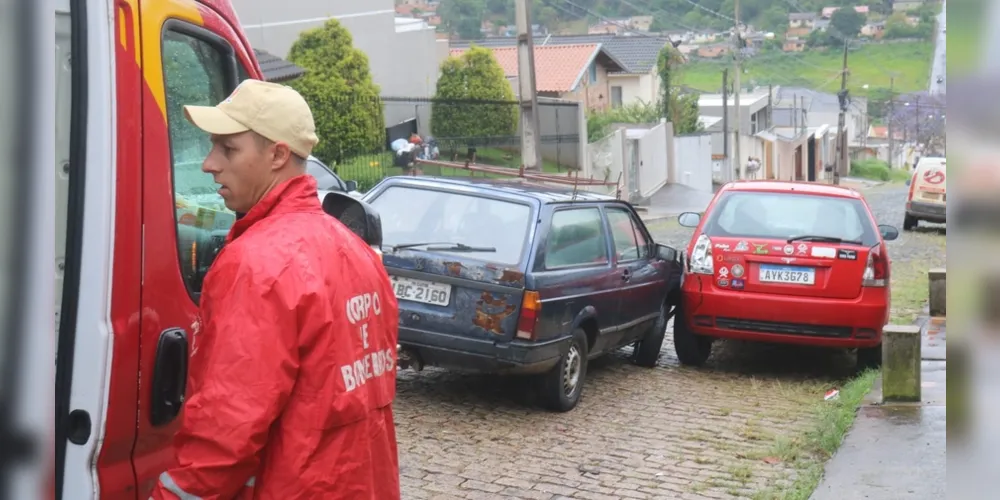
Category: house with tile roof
[572,72]
[636,81]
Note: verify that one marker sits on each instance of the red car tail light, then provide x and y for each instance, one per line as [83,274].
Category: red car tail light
[531,307]
[701,257]
[876,269]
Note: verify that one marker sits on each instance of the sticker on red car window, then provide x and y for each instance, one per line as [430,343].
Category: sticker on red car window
[742,246]
[825,252]
[737,271]
[803,248]
[737,284]
[847,254]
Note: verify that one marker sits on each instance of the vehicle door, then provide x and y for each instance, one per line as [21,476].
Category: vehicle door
[641,286]
[573,272]
[190,55]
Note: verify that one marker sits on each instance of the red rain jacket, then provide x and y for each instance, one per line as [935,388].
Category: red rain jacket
[293,371]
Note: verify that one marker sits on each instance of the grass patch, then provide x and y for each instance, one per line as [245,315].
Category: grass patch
[512,159]
[877,170]
[808,451]
[741,473]
[873,65]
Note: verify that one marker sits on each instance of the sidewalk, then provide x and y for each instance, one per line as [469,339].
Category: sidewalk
[896,451]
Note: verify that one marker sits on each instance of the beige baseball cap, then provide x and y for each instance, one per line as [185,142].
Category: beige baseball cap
[274,111]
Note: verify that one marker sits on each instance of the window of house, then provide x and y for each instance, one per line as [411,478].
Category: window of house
[616,96]
[753,124]
[593,73]
[576,237]
[630,242]
[195,71]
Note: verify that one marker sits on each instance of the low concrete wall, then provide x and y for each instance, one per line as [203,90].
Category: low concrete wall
[937,291]
[901,363]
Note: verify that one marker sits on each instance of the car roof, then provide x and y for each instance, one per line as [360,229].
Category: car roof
[519,188]
[791,186]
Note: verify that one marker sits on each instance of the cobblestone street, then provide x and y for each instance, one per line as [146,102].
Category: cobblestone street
[669,432]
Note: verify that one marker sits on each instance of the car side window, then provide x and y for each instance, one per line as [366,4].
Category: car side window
[194,72]
[630,242]
[576,237]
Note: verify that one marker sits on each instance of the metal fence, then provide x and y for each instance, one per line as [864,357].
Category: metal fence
[359,135]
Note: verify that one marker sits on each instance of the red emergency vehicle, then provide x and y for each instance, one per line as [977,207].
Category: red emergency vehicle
[138,225]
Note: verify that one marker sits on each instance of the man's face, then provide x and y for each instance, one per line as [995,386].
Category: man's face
[242,165]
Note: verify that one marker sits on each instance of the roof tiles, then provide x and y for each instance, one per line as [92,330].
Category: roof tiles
[557,67]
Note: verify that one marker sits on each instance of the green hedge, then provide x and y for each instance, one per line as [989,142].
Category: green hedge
[877,170]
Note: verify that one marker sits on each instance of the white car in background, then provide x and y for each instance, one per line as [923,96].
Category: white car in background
[327,181]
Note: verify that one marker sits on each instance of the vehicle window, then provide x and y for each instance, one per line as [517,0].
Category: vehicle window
[194,73]
[415,215]
[325,179]
[787,215]
[576,237]
[630,243]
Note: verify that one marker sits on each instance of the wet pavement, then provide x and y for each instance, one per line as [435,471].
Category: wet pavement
[896,450]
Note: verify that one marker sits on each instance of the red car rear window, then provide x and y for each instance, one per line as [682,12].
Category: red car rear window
[775,215]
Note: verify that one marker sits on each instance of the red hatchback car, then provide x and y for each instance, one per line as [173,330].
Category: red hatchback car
[785,262]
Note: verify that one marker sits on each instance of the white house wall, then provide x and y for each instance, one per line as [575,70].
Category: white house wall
[403,64]
[693,161]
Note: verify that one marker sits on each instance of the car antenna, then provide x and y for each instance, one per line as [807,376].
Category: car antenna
[576,183]
[618,187]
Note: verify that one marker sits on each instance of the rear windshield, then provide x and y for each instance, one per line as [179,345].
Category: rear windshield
[787,215]
[416,215]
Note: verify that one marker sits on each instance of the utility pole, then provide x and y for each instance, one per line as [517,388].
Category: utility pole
[804,122]
[736,92]
[889,119]
[841,133]
[531,153]
[770,106]
[725,120]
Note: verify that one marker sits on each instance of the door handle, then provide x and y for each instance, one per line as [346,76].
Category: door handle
[626,275]
[169,376]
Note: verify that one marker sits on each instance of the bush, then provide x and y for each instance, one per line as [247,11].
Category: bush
[338,87]
[871,169]
[475,75]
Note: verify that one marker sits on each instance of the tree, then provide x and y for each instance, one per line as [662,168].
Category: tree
[474,75]
[846,22]
[339,89]
[667,63]
[464,17]
[774,19]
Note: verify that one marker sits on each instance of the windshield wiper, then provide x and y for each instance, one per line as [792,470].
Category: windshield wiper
[451,247]
[824,239]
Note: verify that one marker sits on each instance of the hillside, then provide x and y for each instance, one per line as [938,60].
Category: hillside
[872,65]
[464,16]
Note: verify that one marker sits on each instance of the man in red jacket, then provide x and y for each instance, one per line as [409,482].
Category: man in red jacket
[293,371]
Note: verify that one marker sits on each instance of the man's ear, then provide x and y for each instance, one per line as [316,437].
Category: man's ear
[281,155]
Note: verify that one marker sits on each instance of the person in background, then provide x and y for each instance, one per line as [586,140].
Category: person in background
[293,357]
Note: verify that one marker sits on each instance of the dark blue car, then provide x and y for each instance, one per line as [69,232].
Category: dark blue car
[502,277]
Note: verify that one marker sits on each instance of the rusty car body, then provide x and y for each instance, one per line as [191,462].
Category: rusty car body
[516,278]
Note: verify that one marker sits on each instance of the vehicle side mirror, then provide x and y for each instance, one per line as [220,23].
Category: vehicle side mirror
[889,233]
[351,185]
[360,217]
[666,252]
[689,219]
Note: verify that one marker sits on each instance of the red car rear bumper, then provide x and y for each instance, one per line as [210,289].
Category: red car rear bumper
[784,319]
